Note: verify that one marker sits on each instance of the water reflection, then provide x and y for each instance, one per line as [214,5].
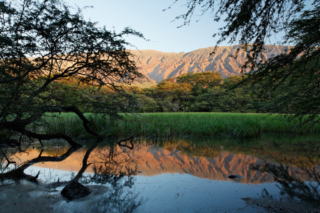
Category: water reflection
[173,172]
[18,172]
[205,159]
[107,170]
[152,160]
[301,182]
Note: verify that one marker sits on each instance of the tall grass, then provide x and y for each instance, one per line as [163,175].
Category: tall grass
[159,125]
[204,124]
[70,124]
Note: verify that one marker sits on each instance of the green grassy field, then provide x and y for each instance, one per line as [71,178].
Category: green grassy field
[159,125]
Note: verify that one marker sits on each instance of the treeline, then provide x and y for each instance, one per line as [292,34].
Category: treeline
[199,92]
[191,92]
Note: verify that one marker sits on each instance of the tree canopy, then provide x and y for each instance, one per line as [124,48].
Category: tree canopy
[295,73]
[43,42]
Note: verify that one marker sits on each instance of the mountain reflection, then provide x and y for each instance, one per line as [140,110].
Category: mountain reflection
[298,177]
[108,169]
[105,173]
[204,160]
[18,173]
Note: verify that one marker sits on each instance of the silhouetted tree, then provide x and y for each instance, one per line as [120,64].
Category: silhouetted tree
[292,185]
[293,77]
[42,42]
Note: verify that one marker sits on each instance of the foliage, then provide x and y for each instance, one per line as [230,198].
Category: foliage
[173,96]
[203,79]
[294,74]
[289,181]
[43,42]
[165,125]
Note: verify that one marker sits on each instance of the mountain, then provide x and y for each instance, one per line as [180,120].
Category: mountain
[158,66]
[152,160]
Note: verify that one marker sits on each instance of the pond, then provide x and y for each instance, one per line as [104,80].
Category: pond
[272,173]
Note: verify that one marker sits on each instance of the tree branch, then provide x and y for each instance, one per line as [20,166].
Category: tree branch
[125,140]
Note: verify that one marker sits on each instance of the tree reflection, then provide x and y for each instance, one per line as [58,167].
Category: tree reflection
[114,171]
[18,173]
[298,177]
[110,169]
[118,198]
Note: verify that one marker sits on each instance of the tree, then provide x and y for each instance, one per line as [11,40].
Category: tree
[294,76]
[204,79]
[42,42]
[108,169]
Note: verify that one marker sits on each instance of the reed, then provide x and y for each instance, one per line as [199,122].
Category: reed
[161,125]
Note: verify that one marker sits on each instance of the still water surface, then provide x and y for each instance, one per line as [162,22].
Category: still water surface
[181,175]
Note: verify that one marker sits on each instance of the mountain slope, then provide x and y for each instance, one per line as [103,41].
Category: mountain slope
[160,65]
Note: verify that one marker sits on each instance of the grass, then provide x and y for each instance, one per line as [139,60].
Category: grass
[160,125]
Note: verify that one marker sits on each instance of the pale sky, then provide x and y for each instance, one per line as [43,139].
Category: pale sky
[148,17]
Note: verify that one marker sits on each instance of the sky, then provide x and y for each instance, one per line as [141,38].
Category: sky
[158,26]
[148,17]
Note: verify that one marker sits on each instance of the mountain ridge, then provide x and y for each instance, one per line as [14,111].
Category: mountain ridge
[158,65]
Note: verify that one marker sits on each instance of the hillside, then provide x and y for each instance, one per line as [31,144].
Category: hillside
[152,160]
[161,65]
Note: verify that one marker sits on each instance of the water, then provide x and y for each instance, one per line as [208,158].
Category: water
[178,175]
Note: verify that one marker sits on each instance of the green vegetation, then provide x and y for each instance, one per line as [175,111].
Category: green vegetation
[271,147]
[190,92]
[46,43]
[163,125]
[289,80]
[53,61]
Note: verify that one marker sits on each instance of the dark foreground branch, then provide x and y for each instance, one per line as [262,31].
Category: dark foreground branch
[19,172]
[83,118]
[75,110]
[74,189]
[41,137]
[9,162]
[20,126]
[120,143]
